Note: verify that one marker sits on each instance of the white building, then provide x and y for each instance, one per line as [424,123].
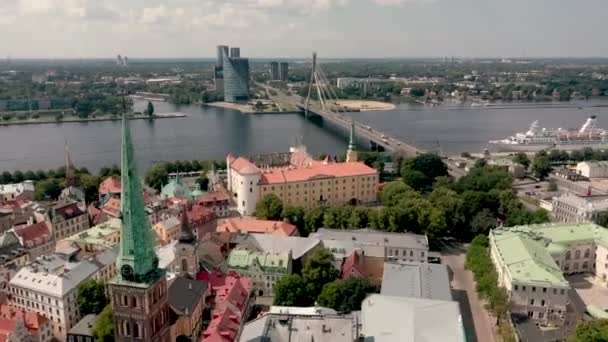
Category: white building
[17,191]
[574,208]
[593,169]
[49,286]
[531,262]
[405,247]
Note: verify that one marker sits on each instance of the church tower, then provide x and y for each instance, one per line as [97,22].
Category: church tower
[71,179]
[351,153]
[139,292]
[186,249]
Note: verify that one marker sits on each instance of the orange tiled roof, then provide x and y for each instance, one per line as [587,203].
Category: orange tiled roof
[316,170]
[212,197]
[32,320]
[247,225]
[110,185]
[243,166]
[112,207]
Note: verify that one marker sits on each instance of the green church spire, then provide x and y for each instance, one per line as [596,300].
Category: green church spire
[351,142]
[137,261]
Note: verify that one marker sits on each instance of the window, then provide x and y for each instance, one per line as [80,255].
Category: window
[411,253]
[587,252]
[542,302]
[577,254]
[554,291]
[568,255]
[544,290]
[533,288]
[531,301]
[515,287]
[562,291]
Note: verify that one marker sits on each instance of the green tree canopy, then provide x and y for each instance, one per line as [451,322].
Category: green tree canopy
[291,290]
[269,207]
[47,189]
[522,158]
[345,295]
[318,271]
[591,331]
[91,297]
[103,330]
[157,176]
[541,167]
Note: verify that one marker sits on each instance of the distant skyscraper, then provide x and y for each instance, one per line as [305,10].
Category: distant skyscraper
[235,52]
[221,50]
[236,79]
[284,71]
[274,71]
[119,60]
[125,61]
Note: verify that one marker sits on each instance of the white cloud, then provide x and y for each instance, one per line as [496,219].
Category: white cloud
[153,15]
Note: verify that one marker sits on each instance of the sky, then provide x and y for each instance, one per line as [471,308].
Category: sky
[294,28]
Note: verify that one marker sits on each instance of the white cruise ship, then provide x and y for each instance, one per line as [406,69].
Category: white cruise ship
[536,138]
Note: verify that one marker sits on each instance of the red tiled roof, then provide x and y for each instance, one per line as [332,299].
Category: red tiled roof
[247,225]
[317,170]
[32,320]
[7,325]
[360,265]
[112,207]
[213,197]
[36,234]
[199,214]
[224,326]
[351,266]
[110,185]
[243,166]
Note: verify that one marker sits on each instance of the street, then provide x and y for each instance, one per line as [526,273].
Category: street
[475,317]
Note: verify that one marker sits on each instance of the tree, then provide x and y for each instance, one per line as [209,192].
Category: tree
[482,222]
[157,176]
[522,158]
[47,189]
[90,186]
[429,164]
[541,167]
[91,297]
[345,295]
[591,331]
[318,271]
[203,182]
[291,290]
[6,177]
[103,330]
[393,192]
[150,109]
[269,207]
[417,180]
[18,176]
[296,216]
[30,175]
[259,106]
[40,175]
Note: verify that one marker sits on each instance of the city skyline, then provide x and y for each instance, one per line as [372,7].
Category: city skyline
[293,28]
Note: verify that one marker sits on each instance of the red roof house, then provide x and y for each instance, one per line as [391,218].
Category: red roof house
[253,226]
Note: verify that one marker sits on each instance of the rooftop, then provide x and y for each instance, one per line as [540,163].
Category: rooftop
[418,280]
[84,327]
[110,185]
[528,251]
[67,210]
[403,319]
[265,260]
[185,294]
[374,237]
[16,188]
[594,163]
[249,225]
[315,171]
[294,327]
[34,234]
[98,235]
[53,276]
[298,246]
[588,203]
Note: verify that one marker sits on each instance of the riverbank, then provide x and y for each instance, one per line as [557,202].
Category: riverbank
[246,108]
[78,119]
[365,105]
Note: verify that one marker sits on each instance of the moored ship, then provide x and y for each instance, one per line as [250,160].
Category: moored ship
[536,138]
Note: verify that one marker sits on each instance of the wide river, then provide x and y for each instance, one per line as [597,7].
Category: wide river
[211,133]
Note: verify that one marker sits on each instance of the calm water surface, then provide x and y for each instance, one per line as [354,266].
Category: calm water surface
[211,133]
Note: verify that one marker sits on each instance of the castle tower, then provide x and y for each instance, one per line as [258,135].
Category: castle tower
[351,153]
[139,292]
[186,249]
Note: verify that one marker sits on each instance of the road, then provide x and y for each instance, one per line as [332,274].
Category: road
[463,286]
